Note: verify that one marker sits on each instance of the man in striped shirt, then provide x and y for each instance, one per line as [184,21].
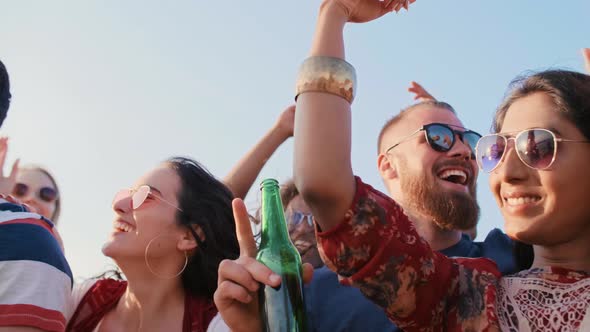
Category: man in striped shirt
[35,278]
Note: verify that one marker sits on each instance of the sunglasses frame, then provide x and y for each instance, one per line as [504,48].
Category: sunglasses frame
[37,193]
[307,216]
[146,191]
[514,136]
[435,147]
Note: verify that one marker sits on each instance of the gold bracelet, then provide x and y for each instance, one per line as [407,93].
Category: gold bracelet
[326,74]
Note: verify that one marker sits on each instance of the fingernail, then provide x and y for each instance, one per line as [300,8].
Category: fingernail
[274,278]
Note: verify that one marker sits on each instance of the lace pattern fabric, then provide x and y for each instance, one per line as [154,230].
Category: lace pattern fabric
[547,299]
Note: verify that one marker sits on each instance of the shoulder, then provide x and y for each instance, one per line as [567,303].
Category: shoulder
[36,278]
[496,236]
[499,247]
[91,300]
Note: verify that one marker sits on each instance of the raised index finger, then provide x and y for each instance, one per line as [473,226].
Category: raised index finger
[243,229]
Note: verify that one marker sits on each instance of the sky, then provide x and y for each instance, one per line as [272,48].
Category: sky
[103,91]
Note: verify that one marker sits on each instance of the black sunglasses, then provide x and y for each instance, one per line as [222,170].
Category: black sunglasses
[46,194]
[441,137]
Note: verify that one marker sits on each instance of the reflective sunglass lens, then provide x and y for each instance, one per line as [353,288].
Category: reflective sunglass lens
[48,194]
[471,138]
[440,138]
[20,190]
[536,148]
[489,151]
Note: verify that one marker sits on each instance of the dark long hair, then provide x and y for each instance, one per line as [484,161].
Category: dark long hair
[205,202]
[570,93]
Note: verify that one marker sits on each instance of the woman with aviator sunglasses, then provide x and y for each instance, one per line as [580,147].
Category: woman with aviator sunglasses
[541,140]
[170,232]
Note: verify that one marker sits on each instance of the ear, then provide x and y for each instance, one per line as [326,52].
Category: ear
[187,241]
[386,167]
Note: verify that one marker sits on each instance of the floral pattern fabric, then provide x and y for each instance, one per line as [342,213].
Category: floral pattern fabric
[377,249]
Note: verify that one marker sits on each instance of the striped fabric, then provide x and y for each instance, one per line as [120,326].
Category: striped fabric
[35,278]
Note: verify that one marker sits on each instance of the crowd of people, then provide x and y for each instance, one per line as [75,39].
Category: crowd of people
[405,260]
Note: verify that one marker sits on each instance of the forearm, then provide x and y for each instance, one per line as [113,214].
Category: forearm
[322,169]
[241,177]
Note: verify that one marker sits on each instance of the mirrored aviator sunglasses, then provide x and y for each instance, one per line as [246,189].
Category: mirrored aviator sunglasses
[536,148]
[441,137]
[46,194]
[296,218]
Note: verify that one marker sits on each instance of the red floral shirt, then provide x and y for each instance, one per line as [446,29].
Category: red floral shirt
[377,249]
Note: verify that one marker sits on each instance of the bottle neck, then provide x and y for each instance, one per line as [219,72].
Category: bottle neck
[274,226]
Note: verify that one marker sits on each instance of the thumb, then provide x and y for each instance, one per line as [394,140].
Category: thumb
[243,229]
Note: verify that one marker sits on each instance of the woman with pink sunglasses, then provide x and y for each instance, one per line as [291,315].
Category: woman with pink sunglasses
[171,230]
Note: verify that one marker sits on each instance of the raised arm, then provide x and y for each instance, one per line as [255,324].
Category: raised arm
[322,170]
[244,173]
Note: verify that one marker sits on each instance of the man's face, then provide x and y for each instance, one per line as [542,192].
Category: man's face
[438,185]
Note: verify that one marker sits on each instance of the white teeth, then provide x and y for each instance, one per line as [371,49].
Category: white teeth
[515,201]
[454,172]
[123,226]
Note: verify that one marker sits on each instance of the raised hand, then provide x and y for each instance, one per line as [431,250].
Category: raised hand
[236,297]
[367,10]
[286,121]
[586,55]
[420,93]
[6,182]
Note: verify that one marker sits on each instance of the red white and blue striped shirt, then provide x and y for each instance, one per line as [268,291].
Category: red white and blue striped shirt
[35,278]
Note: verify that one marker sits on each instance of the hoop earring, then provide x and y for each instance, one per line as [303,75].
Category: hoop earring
[154,272]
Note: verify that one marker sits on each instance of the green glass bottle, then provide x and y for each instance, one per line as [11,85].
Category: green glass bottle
[281,309]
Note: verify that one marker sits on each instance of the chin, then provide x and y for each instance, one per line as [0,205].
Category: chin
[109,249]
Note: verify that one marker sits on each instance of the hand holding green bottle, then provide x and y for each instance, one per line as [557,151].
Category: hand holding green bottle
[238,281]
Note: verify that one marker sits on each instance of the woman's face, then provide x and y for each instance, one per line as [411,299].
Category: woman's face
[36,189]
[543,207]
[302,234]
[150,229]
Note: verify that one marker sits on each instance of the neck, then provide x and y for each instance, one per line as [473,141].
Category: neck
[149,300]
[573,255]
[437,238]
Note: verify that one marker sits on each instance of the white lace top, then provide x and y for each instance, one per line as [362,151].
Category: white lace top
[544,299]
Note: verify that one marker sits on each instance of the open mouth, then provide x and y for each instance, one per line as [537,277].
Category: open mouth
[123,227]
[454,176]
[523,200]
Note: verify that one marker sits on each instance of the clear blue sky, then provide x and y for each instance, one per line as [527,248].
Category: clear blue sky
[105,90]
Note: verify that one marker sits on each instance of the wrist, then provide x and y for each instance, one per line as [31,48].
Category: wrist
[280,132]
[332,10]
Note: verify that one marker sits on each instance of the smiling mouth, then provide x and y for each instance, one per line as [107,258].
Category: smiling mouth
[519,201]
[123,227]
[454,176]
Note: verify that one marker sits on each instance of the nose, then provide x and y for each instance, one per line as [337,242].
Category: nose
[511,168]
[122,205]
